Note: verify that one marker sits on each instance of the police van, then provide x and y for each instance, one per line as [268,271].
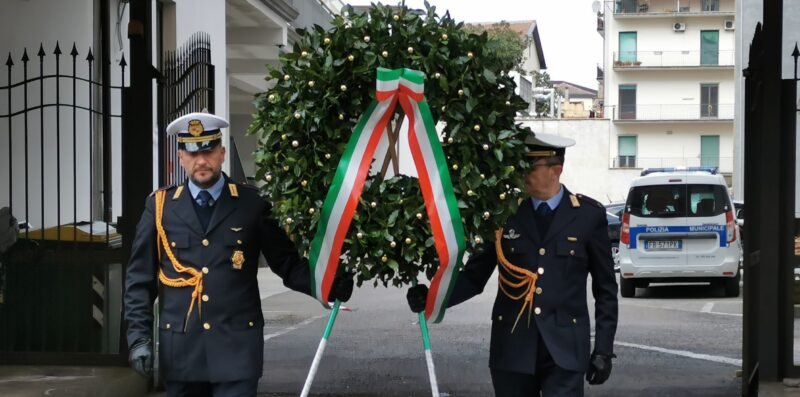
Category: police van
[678,226]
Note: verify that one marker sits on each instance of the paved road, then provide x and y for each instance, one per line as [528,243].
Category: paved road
[672,341]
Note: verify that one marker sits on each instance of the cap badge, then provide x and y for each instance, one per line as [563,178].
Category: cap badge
[196,128]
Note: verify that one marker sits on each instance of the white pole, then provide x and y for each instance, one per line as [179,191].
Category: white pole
[320,349]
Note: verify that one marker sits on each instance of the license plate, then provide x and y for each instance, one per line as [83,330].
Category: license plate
[663,245]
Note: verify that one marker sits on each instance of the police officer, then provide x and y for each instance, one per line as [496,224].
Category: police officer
[197,246]
[540,320]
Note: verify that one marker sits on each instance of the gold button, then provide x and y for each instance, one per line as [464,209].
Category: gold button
[238,241]
[250,324]
[542,251]
[540,270]
[538,290]
[208,326]
[572,252]
[172,244]
[205,298]
[168,325]
[499,318]
[574,321]
[205,242]
[537,311]
[205,270]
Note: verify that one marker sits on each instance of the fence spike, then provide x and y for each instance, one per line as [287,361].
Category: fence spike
[25,58]
[58,49]
[9,61]
[74,51]
[41,52]
[90,57]
[122,61]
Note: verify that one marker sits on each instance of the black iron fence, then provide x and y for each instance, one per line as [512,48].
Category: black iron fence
[60,128]
[186,85]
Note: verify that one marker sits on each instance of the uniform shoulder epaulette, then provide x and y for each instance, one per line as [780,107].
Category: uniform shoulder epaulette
[589,200]
[168,187]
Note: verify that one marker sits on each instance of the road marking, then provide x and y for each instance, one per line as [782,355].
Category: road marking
[678,309]
[684,353]
[293,327]
[707,307]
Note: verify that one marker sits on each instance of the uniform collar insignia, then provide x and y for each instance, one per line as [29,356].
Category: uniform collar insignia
[512,235]
[236,229]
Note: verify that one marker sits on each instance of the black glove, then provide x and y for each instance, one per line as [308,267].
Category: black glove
[141,357]
[599,368]
[417,297]
[341,288]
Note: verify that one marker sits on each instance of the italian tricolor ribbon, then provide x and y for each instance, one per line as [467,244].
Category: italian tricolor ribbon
[406,87]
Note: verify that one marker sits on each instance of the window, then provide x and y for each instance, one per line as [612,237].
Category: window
[627,47]
[710,5]
[709,150]
[709,47]
[673,201]
[627,152]
[627,102]
[626,6]
[709,97]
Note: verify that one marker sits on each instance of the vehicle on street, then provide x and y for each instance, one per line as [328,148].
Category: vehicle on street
[613,235]
[679,226]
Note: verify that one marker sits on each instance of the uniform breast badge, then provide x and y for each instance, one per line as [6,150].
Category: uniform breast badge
[512,235]
[237,259]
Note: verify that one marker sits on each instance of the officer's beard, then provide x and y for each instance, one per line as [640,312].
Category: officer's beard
[205,185]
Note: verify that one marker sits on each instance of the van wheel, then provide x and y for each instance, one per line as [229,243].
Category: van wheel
[627,288]
[732,285]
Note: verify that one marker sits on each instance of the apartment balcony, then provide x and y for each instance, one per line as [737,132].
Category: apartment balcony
[628,61]
[688,113]
[724,164]
[673,8]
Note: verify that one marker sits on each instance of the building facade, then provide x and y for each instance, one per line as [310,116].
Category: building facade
[668,81]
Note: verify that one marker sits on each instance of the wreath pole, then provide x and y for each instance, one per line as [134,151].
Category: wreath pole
[426,344]
[312,372]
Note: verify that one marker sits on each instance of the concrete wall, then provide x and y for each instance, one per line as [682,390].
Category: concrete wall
[586,168]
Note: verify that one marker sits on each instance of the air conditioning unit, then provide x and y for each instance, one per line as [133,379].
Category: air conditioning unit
[679,27]
[729,24]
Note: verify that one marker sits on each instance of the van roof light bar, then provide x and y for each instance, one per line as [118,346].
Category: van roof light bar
[710,170]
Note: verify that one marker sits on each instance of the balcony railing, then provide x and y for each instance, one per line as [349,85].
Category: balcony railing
[683,112]
[671,59]
[725,164]
[650,7]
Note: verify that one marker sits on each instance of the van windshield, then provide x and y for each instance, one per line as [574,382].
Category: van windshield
[672,201]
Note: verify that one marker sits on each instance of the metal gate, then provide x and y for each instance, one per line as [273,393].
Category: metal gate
[61,282]
[186,85]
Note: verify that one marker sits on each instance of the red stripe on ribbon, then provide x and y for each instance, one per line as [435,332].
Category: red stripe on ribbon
[352,201]
[430,202]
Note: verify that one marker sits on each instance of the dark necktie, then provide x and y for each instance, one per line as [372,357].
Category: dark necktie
[203,207]
[543,209]
[204,199]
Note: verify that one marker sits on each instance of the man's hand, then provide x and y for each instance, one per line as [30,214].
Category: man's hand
[141,357]
[599,368]
[341,288]
[417,297]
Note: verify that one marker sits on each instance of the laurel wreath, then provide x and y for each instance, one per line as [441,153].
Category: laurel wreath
[304,121]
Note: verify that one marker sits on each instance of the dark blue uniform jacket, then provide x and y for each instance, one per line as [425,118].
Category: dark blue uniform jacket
[575,246]
[227,343]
